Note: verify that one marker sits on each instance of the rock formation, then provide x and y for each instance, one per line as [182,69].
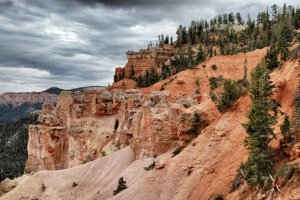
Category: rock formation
[146,59]
[81,127]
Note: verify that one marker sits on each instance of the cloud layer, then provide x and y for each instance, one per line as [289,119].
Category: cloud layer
[72,43]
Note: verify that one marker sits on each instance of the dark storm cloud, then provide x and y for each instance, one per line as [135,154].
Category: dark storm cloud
[6,3]
[124,3]
[72,43]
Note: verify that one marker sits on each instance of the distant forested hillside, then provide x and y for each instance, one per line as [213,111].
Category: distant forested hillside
[13,146]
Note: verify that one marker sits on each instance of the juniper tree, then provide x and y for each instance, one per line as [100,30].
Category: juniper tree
[260,127]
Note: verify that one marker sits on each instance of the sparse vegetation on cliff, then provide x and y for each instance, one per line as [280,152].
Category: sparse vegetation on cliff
[150,167]
[121,186]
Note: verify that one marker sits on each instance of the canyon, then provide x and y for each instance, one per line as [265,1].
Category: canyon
[93,137]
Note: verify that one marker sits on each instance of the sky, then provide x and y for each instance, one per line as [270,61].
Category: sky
[76,43]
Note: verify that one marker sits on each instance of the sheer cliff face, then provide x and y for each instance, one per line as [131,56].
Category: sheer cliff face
[81,127]
[74,132]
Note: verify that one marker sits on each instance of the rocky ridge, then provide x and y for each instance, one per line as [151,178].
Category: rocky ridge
[27,97]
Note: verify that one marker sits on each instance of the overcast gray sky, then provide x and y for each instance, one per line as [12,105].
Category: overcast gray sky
[74,43]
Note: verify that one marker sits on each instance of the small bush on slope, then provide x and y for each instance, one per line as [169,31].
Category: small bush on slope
[121,186]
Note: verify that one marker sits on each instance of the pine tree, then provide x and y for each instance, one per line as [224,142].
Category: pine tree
[140,81]
[190,58]
[115,78]
[231,18]
[132,72]
[271,58]
[200,55]
[244,80]
[259,127]
[286,130]
[239,19]
[195,124]
[225,18]
[285,36]
[166,40]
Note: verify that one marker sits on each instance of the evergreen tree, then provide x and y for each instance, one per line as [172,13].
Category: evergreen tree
[239,18]
[225,18]
[220,19]
[286,130]
[140,81]
[195,124]
[271,59]
[232,91]
[190,59]
[284,38]
[231,18]
[274,12]
[132,72]
[244,80]
[200,55]
[166,40]
[184,36]
[259,127]
[193,32]
[115,78]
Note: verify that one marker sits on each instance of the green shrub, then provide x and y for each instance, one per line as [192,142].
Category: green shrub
[214,82]
[121,186]
[116,124]
[150,167]
[213,96]
[74,184]
[219,197]
[177,150]
[232,91]
[43,187]
[214,67]
[103,153]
